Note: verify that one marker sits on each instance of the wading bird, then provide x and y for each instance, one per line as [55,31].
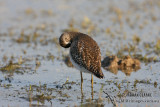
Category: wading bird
[84,54]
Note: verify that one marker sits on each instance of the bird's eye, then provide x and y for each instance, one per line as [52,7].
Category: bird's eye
[66,39]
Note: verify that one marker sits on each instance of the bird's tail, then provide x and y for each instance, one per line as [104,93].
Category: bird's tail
[99,74]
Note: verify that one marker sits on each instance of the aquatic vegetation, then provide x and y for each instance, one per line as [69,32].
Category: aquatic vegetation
[68,62]
[71,27]
[50,57]
[10,67]
[125,64]
[145,59]
[42,93]
[127,61]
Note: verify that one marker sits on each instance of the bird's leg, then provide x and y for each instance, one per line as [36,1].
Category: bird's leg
[81,81]
[81,84]
[91,80]
[92,86]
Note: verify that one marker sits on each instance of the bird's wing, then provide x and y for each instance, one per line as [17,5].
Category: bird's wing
[87,55]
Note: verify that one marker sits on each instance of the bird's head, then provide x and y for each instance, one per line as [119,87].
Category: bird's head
[65,40]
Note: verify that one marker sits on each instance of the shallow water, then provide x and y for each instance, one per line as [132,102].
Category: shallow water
[29,32]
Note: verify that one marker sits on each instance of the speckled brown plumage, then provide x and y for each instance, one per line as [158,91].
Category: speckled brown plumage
[84,51]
